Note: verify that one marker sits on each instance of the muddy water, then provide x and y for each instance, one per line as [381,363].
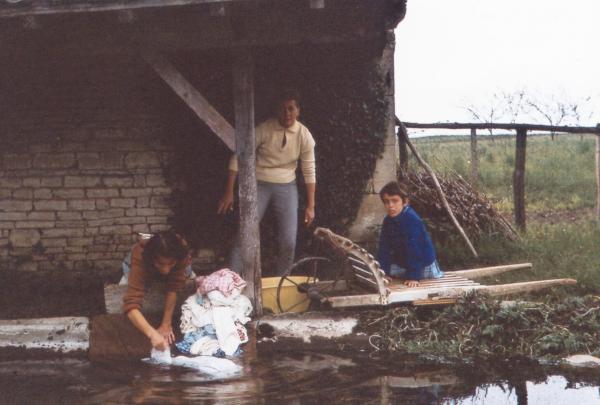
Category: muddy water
[291,378]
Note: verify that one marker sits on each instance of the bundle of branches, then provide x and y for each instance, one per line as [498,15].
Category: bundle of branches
[478,326]
[475,213]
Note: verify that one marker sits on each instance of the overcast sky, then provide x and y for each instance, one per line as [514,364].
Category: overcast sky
[453,54]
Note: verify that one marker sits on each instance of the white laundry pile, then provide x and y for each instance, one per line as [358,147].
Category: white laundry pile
[213,319]
[214,366]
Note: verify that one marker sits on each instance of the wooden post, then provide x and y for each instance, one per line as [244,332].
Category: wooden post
[403,150]
[598,174]
[519,178]
[243,96]
[474,158]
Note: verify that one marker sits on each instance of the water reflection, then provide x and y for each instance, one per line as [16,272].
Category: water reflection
[290,378]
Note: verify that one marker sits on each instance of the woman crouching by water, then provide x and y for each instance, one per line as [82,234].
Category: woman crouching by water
[165,257]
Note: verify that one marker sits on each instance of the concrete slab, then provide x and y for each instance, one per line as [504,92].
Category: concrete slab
[63,334]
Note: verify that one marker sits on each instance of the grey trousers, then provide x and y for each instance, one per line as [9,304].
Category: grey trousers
[283,198]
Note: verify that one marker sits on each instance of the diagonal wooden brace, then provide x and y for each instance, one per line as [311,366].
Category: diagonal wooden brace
[193,98]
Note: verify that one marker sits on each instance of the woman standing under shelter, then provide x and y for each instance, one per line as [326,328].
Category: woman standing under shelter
[280,143]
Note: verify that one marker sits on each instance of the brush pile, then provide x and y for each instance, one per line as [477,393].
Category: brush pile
[478,327]
[473,210]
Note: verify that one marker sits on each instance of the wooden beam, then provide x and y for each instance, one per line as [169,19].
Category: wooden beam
[483,125]
[355,300]
[525,287]
[37,7]
[519,178]
[243,96]
[489,271]
[193,98]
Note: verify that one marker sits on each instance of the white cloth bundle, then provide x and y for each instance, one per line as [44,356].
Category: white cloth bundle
[214,366]
[229,314]
[195,315]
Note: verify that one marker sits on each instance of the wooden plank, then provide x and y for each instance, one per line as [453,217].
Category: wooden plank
[243,96]
[363,272]
[357,261]
[368,282]
[489,271]
[415,294]
[63,334]
[519,178]
[40,7]
[437,287]
[426,284]
[113,337]
[331,285]
[525,287]
[193,98]
[355,300]
[434,301]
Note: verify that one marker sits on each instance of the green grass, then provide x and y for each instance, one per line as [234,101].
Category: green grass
[555,250]
[559,174]
[559,177]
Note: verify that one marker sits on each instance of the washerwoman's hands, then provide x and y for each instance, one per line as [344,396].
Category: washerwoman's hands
[158,341]
[166,331]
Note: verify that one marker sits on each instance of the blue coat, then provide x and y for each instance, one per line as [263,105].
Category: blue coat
[404,241]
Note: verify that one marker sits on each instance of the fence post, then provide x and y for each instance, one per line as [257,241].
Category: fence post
[403,150]
[474,158]
[598,173]
[519,178]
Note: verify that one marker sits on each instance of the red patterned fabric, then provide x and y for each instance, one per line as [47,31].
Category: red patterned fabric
[224,280]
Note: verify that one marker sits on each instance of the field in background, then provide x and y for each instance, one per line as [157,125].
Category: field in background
[559,174]
[560,185]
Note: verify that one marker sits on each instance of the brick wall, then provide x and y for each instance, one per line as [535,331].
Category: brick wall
[84,144]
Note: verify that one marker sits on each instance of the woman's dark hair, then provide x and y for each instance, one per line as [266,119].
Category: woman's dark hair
[394,188]
[165,244]
[286,95]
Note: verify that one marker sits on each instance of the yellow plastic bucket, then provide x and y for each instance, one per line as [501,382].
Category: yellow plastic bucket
[289,294]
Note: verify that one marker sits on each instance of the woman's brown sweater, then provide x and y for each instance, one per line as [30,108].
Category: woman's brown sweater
[140,277]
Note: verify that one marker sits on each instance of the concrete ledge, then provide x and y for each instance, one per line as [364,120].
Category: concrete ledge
[64,334]
[311,330]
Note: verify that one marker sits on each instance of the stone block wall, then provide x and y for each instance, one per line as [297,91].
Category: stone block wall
[84,145]
[79,201]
